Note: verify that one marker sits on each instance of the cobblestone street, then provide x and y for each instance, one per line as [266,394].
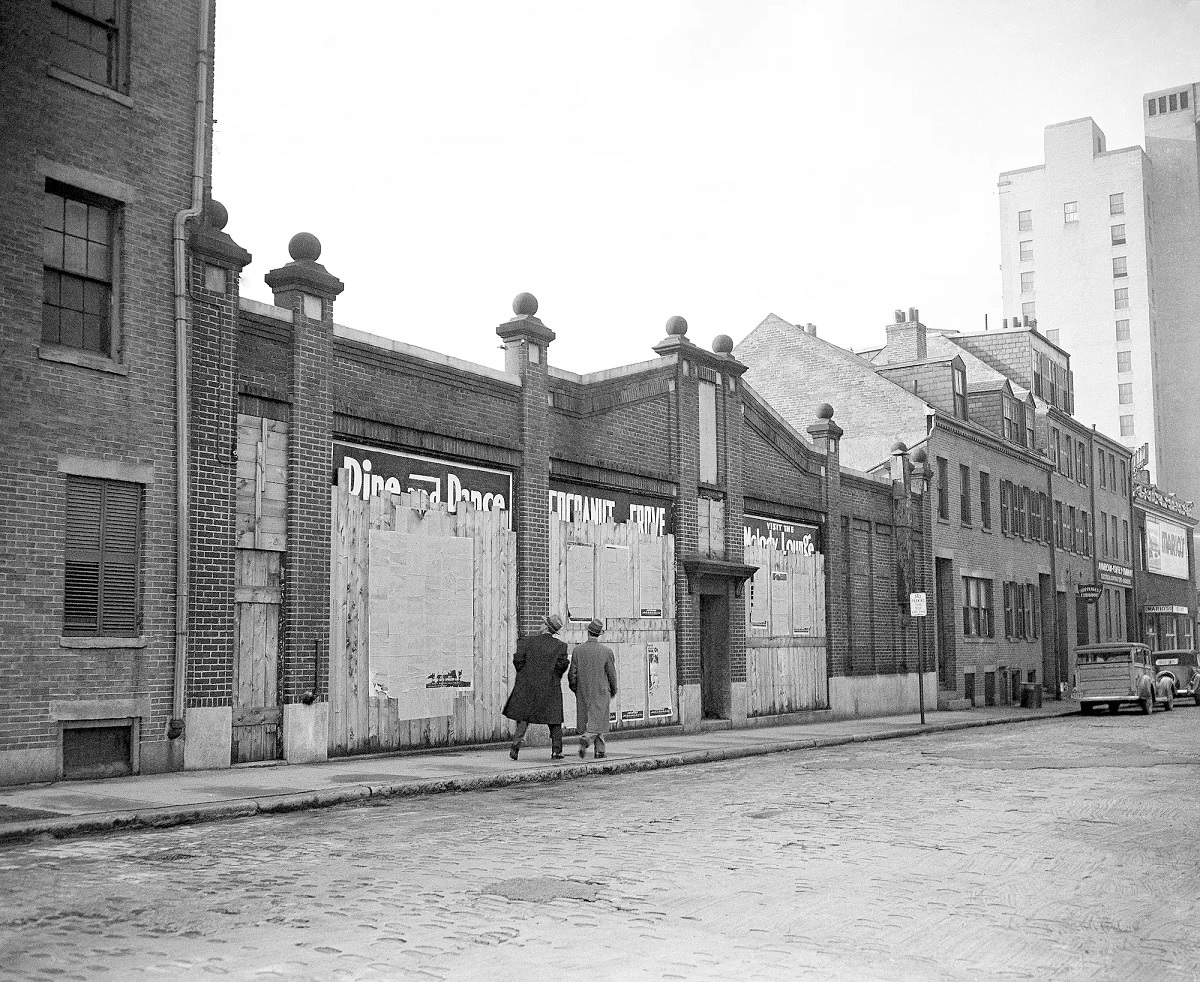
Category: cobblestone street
[1055,849]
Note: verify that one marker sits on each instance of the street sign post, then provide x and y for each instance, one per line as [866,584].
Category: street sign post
[916,608]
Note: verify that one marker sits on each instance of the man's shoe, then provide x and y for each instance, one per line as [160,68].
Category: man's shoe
[600,755]
[513,751]
[557,756]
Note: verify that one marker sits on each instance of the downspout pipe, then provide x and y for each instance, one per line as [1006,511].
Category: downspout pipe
[182,527]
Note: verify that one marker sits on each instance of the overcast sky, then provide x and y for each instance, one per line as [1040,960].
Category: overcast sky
[627,161]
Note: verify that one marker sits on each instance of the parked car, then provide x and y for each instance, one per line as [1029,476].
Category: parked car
[1181,669]
[1119,672]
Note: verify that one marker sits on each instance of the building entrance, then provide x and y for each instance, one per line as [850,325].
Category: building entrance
[714,656]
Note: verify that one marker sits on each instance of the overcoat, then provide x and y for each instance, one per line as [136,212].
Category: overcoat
[593,678]
[536,697]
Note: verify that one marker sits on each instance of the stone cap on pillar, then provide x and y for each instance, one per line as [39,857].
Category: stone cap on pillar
[209,239]
[719,359]
[825,429]
[304,273]
[526,324]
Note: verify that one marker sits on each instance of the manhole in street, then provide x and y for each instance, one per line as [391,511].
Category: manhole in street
[542,888]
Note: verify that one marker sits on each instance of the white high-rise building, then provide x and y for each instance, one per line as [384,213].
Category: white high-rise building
[1102,248]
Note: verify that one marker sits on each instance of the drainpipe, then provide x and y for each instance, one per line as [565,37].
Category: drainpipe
[182,551]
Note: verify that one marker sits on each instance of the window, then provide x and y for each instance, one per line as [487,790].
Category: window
[1046,530]
[1025,221]
[1116,204]
[1118,235]
[977,608]
[1005,493]
[1100,468]
[1008,419]
[1020,511]
[1103,534]
[1120,268]
[1113,541]
[1153,108]
[1016,611]
[1032,611]
[1035,516]
[85,39]
[1081,462]
[1067,457]
[1162,103]
[1112,471]
[985,500]
[1125,393]
[1027,281]
[1085,533]
[1124,361]
[943,476]
[1070,212]
[77,258]
[964,493]
[1126,426]
[1173,101]
[101,581]
[1123,330]
[1183,99]
[1124,539]
[1060,539]
[1070,529]
[1026,250]
[1028,309]
[1121,298]
[1124,476]
[960,392]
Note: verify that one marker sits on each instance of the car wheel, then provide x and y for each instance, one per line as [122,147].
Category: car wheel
[1085,708]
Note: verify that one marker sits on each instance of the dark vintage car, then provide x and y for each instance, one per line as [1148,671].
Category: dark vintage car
[1181,669]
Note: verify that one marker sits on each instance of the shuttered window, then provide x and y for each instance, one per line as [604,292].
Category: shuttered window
[101,595]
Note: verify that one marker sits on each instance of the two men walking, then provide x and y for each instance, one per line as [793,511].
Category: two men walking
[536,697]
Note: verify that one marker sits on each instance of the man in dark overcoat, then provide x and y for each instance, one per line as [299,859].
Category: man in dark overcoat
[593,679]
[536,697]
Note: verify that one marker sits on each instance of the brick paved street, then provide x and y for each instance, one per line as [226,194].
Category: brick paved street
[1053,849]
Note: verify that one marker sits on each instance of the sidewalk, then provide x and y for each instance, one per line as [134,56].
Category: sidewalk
[71,808]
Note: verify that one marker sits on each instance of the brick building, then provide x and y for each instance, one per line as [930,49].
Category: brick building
[1166,569]
[106,143]
[991,570]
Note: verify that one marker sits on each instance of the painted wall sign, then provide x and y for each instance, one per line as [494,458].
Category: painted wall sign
[373,471]
[797,537]
[917,606]
[1114,574]
[580,503]
[1166,548]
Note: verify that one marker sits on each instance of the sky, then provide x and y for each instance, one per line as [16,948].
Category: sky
[629,161]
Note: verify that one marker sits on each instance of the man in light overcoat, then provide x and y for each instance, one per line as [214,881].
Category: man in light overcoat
[593,678]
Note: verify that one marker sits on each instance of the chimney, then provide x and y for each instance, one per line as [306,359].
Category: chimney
[906,338]
[810,329]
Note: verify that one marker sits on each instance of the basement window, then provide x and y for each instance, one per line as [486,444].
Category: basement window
[97,748]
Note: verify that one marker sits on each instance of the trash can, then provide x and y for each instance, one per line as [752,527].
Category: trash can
[1031,695]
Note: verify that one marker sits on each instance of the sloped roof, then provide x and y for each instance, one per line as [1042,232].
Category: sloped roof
[795,372]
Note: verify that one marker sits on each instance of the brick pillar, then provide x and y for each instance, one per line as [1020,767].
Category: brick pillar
[308,289]
[526,345]
[729,430]
[826,437]
[214,277]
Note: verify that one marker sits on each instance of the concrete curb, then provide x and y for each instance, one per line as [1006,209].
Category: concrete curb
[70,826]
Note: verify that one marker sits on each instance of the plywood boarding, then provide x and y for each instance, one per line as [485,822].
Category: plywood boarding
[647,561]
[256,713]
[261,493]
[362,721]
[786,654]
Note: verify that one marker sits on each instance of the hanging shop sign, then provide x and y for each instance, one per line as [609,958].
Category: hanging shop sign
[580,503]
[797,537]
[1166,548]
[374,471]
[1089,592]
[1114,574]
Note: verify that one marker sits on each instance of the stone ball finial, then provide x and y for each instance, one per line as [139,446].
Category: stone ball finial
[677,326]
[824,411]
[722,344]
[525,305]
[920,456]
[218,214]
[304,245]
[899,447]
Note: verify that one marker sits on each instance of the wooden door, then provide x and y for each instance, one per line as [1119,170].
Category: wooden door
[256,711]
